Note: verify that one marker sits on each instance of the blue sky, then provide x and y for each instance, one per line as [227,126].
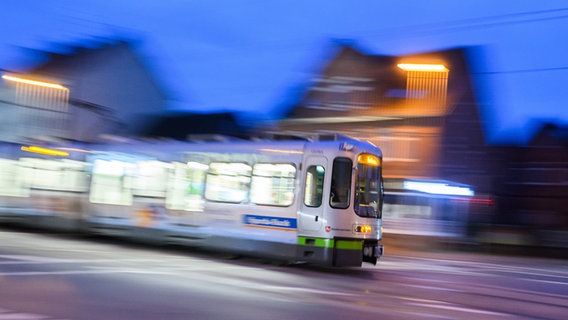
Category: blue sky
[245,55]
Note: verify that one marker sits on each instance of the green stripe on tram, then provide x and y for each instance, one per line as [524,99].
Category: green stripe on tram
[330,243]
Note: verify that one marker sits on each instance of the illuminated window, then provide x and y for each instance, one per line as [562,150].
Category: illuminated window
[313,192]
[111,182]
[47,174]
[273,184]
[228,182]
[185,186]
[11,179]
[150,179]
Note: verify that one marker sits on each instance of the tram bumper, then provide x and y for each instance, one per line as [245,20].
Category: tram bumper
[339,252]
[372,252]
[351,252]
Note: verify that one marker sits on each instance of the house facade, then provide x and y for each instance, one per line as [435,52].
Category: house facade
[79,95]
[420,109]
[533,192]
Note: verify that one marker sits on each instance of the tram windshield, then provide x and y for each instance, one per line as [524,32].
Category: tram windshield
[368,186]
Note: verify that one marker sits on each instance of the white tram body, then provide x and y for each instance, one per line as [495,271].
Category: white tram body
[305,201]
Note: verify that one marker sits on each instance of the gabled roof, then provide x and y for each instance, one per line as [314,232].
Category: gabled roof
[63,55]
[374,65]
[550,133]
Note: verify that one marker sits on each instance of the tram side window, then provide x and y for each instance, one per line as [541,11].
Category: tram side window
[150,179]
[228,182]
[47,174]
[314,186]
[74,175]
[185,186]
[11,180]
[111,182]
[273,184]
[341,183]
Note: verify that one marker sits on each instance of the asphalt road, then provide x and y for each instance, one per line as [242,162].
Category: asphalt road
[47,277]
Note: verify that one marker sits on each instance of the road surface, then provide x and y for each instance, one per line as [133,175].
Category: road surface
[45,276]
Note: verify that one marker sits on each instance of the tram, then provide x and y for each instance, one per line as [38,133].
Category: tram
[315,201]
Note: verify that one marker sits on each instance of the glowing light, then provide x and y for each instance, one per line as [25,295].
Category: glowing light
[438,188]
[46,151]
[364,229]
[34,82]
[422,67]
[369,159]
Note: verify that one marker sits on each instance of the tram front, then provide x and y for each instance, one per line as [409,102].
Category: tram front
[352,217]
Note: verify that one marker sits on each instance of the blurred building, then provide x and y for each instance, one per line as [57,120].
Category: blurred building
[420,109]
[103,87]
[532,192]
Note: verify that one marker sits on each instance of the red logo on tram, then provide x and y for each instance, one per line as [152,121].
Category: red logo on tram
[327,228]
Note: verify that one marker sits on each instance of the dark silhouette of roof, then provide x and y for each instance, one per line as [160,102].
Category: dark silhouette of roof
[180,125]
[550,133]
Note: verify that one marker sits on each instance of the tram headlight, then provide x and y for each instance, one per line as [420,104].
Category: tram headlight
[369,159]
[364,229]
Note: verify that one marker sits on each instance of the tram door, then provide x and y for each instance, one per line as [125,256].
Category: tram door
[310,215]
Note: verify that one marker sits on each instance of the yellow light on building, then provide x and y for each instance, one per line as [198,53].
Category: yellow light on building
[46,151]
[34,82]
[42,106]
[422,67]
[426,86]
